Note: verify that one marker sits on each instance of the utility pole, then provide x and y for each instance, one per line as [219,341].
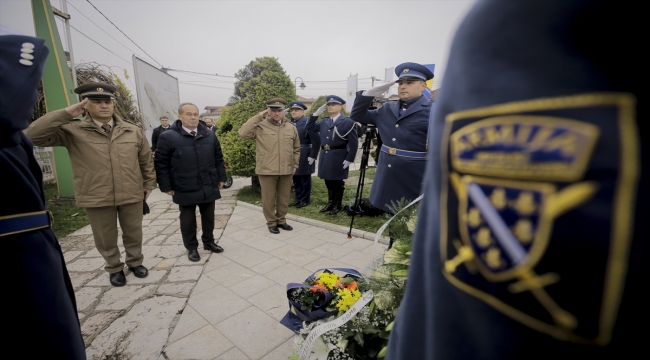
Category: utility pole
[373,80]
[66,19]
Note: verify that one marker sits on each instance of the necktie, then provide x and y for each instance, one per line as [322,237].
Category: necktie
[107,128]
[193,133]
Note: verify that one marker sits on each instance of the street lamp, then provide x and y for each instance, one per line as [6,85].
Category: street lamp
[302,83]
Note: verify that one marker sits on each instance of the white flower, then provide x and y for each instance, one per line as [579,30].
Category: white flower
[342,344]
[320,350]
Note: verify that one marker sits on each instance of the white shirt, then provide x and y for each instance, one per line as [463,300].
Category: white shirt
[336,117]
[189,131]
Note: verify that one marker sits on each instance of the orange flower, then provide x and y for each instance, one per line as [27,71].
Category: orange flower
[350,286]
[317,287]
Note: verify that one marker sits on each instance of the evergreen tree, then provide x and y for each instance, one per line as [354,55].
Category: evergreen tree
[261,80]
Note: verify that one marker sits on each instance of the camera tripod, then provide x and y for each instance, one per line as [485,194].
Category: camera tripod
[371,132]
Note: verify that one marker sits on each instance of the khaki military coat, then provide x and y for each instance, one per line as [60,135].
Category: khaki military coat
[277,147]
[106,170]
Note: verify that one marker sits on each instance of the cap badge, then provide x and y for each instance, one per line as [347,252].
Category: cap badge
[100,89]
[405,70]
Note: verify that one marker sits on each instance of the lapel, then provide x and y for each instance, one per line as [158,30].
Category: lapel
[393,106]
[417,106]
[330,123]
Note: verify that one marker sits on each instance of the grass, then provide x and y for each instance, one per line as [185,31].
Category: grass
[68,218]
[319,199]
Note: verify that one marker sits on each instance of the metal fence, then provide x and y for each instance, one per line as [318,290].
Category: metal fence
[45,158]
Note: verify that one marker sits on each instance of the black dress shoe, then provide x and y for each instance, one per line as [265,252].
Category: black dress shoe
[274,230]
[118,279]
[295,203]
[286,227]
[212,246]
[301,205]
[335,210]
[194,256]
[139,271]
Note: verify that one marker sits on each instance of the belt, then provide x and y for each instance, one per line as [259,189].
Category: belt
[20,223]
[404,153]
[305,146]
[327,147]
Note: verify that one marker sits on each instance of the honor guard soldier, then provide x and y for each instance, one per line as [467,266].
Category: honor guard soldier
[309,146]
[403,126]
[339,142]
[530,236]
[277,154]
[37,281]
[112,171]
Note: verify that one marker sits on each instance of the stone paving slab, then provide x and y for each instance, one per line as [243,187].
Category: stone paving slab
[226,306]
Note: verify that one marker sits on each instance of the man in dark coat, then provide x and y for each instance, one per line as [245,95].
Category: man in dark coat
[42,296]
[309,146]
[189,167]
[164,126]
[339,142]
[530,235]
[403,126]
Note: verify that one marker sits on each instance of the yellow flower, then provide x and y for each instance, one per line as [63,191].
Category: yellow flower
[328,279]
[347,298]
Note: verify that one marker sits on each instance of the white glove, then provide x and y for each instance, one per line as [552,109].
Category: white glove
[310,160]
[346,164]
[286,111]
[378,90]
[320,110]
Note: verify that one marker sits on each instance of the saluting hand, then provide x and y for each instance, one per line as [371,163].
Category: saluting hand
[320,110]
[264,112]
[378,90]
[76,109]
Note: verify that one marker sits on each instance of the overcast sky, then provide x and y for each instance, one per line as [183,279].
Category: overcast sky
[323,42]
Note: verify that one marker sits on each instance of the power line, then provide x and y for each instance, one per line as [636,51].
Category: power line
[200,73]
[208,86]
[124,33]
[100,28]
[105,48]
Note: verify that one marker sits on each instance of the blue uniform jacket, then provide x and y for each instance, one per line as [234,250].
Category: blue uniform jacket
[309,145]
[191,166]
[42,296]
[330,164]
[397,177]
[542,129]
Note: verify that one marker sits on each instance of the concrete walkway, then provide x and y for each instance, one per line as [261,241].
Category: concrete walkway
[227,306]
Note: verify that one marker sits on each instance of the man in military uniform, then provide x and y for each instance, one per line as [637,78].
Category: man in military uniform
[277,153]
[42,296]
[403,126]
[112,170]
[339,143]
[530,235]
[309,146]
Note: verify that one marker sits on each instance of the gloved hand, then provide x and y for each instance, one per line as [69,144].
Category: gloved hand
[310,160]
[378,90]
[346,164]
[320,110]
[285,112]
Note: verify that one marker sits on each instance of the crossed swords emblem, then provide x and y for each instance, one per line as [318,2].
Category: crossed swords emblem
[555,204]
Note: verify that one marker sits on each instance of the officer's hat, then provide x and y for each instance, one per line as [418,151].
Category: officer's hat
[297,105]
[22,59]
[413,71]
[276,103]
[96,90]
[335,99]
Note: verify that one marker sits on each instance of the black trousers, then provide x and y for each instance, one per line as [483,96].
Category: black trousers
[335,184]
[302,183]
[188,224]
